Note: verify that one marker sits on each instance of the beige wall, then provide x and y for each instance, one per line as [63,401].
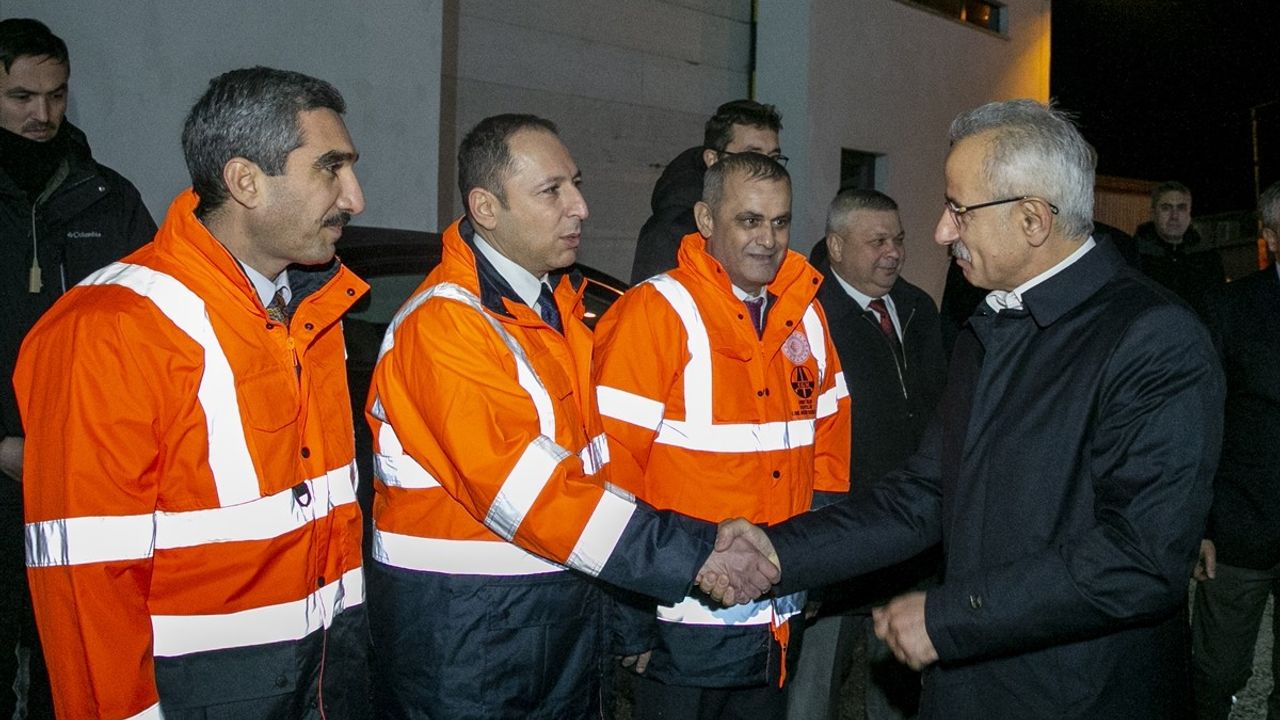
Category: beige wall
[630,85]
[885,77]
[137,67]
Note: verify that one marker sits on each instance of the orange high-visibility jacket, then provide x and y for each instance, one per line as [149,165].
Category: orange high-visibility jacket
[488,449]
[189,477]
[705,417]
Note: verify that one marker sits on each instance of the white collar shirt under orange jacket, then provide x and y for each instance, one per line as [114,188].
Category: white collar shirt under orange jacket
[488,451]
[189,477]
[708,418]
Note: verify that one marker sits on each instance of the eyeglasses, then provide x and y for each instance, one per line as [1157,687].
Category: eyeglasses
[959,210]
[780,159]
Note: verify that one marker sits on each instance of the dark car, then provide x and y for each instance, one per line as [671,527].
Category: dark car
[394,263]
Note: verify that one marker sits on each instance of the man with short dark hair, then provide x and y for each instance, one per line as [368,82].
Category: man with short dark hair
[193,538]
[62,216]
[494,516]
[722,396]
[1066,472]
[889,339]
[1240,556]
[736,127]
[1172,252]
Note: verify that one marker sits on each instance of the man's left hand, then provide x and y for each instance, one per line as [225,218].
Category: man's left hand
[900,624]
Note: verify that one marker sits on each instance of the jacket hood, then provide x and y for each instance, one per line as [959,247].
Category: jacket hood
[680,185]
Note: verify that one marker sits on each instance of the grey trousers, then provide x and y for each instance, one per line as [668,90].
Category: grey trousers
[1224,632]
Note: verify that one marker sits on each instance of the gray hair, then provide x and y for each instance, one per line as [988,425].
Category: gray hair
[1035,150]
[1269,207]
[250,113]
[753,166]
[849,201]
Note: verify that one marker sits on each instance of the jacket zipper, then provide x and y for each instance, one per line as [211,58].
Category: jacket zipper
[902,381]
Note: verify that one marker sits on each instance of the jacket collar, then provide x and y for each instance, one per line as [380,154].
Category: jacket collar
[495,292]
[1076,283]
[795,270]
[200,255]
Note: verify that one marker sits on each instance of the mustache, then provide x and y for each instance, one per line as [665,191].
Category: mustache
[338,219]
[39,126]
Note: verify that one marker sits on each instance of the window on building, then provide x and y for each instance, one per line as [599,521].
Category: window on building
[858,169]
[986,14]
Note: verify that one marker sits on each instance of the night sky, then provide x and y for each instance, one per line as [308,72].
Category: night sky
[1163,88]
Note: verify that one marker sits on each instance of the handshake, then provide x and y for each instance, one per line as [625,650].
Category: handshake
[743,565]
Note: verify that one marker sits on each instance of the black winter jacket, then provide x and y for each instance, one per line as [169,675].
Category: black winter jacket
[679,187]
[91,218]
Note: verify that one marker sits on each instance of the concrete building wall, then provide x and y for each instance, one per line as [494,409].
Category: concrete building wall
[138,66]
[629,84]
[886,77]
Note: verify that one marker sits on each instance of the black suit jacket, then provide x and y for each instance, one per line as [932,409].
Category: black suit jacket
[1067,474]
[890,412]
[1244,319]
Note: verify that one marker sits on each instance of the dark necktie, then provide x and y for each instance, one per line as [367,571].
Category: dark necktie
[548,310]
[886,326]
[755,307]
[277,309]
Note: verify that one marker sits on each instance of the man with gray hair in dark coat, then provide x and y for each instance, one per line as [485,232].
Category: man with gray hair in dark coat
[1067,472]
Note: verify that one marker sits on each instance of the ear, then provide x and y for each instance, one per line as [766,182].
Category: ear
[835,247]
[702,216]
[245,181]
[709,157]
[1273,241]
[1035,220]
[483,207]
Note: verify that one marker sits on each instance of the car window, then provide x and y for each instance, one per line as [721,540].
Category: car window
[386,294]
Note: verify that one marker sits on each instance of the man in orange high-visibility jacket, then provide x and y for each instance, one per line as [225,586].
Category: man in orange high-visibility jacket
[493,513]
[193,539]
[721,396]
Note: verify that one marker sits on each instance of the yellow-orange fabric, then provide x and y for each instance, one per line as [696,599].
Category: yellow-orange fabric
[189,475]
[483,431]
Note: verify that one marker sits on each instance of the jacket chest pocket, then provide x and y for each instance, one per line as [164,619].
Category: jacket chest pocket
[269,401]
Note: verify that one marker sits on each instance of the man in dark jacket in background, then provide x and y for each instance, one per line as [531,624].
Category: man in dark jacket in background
[889,339]
[1172,252]
[1240,555]
[737,127]
[62,216]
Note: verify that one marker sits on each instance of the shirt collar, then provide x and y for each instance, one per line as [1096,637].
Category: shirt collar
[267,288]
[521,281]
[1012,300]
[858,296]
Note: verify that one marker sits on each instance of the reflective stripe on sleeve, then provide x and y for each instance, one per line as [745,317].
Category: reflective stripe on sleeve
[83,540]
[602,532]
[176,635]
[827,400]
[595,455]
[229,459]
[692,611]
[396,468]
[629,408]
[523,484]
[457,557]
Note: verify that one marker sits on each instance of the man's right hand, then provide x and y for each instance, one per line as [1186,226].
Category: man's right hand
[11,457]
[743,565]
[1207,565]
